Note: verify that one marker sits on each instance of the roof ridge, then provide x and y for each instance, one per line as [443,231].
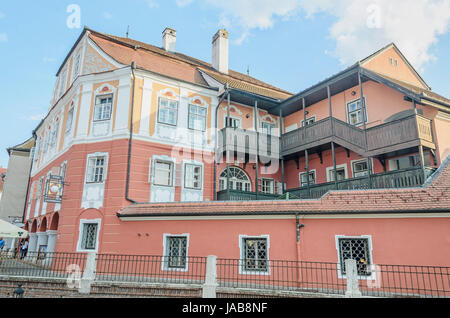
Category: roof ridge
[189,59]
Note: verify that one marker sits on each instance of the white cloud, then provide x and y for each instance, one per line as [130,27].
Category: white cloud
[183,3]
[35,117]
[3,37]
[107,15]
[47,59]
[368,25]
[360,27]
[152,4]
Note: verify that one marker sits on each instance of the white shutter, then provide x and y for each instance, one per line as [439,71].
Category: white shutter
[151,173]
[279,188]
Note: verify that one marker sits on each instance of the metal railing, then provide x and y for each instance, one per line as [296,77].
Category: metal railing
[406,281]
[150,269]
[42,265]
[278,275]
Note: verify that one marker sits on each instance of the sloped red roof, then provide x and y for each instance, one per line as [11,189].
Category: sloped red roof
[177,65]
[432,197]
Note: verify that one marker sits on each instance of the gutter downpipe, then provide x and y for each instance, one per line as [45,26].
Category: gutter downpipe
[130,141]
[299,268]
[226,92]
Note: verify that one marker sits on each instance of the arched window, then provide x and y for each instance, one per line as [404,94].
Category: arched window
[238,180]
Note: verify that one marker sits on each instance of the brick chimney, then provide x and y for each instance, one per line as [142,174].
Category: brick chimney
[169,39]
[220,51]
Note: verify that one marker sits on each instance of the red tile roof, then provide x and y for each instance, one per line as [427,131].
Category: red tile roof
[177,65]
[433,196]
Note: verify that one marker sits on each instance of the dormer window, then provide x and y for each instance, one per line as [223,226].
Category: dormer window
[102,109]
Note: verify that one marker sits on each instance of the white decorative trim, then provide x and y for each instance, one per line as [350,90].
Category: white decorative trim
[242,237]
[80,234]
[369,239]
[237,110]
[344,165]
[165,257]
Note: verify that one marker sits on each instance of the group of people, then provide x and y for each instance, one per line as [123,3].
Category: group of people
[23,247]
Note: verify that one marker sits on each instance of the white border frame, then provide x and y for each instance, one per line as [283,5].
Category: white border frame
[164,263]
[344,165]
[372,263]
[242,237]
[80,232]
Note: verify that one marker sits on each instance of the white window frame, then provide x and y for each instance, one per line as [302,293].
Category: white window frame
[244,183]
[242,265]
[96,156]
[81,233]
[169,100]
[238,119]
[195,115]
[308,120]
[171,171]
[305,173]
[361,109]
[165,258]
[70,115]
[352,167]
[272,186]
[338,167]
[265,130]
[370,248]
[195,165]
[101,106]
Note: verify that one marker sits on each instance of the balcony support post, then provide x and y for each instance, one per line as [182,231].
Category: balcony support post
[257,149]
[363,106]
[281,157]
[422,162]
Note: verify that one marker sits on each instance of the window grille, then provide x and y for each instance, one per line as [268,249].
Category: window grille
[357,249]
[255,255]
[89,237]
[177,251]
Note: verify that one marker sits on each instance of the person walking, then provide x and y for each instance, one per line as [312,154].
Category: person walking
[24,249]
[2,243]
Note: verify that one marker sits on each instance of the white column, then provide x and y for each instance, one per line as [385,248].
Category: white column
[51,241]
[42,239]
[85,106]
[32,244]
[352,279]
[146,106]
[123,106]
[210,286]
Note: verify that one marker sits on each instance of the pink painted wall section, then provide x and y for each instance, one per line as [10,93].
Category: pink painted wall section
[394,240]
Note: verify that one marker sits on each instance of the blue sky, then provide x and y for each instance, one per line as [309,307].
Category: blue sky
[291,44]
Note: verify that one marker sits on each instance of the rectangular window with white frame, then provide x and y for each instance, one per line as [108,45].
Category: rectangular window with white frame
[358,249]
[341,172]
[193,176]
[69,121]
[233,122]
[304,180]
[309,121]
[254,255]
[197,117]
[268,186]
[360,168]
[176,252]
[268,128]
[88,235]
[355,112]
[168,111]
[96,169]
[103,107]
[163,173]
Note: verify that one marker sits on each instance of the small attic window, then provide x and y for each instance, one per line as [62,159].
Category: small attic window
[393,62]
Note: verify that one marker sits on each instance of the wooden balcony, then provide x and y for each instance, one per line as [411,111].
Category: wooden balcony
[411,131]
[242,141]
[408,178]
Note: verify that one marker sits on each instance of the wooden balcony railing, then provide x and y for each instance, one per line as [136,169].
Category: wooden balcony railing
[248,142]
[396,135]
[408,178]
